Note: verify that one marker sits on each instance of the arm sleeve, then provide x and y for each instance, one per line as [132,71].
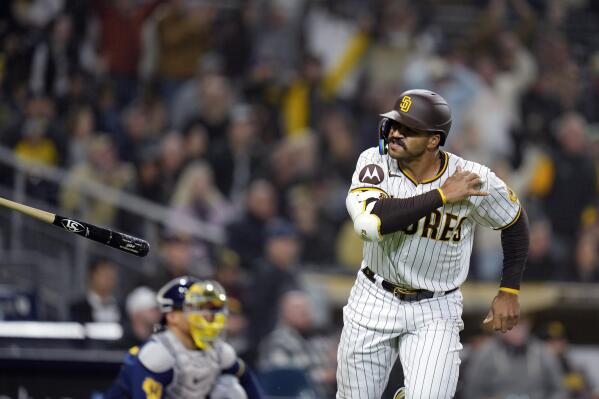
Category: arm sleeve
[398,213]
[514,241]
[247,379]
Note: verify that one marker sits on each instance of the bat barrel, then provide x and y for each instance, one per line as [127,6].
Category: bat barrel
[115,239]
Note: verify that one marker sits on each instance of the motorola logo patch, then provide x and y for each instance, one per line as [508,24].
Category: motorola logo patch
[372,174]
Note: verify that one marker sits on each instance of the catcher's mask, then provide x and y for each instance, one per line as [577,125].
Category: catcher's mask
[204,303]
[419,110]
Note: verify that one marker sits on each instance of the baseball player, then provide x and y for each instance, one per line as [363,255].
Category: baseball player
[187,359]
[416,207]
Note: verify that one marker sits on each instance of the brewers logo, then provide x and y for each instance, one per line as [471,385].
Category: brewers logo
[372,174]
[406,103]
[152,388]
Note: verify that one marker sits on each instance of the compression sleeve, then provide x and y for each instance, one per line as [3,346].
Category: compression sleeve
[514,241]
[398,213]
[247,379]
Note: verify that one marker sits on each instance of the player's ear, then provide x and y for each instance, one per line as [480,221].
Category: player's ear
[434,141]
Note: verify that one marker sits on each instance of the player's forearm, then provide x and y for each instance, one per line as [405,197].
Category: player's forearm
[250,384]
[247,379]
[398,213]
[514,241]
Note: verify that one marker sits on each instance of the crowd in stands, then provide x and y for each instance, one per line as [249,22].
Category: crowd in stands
[250,116]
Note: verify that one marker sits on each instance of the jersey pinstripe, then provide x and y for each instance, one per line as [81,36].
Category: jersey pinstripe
[433,254]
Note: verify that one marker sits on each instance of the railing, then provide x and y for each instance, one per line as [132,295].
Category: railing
[55,260]
[148,210]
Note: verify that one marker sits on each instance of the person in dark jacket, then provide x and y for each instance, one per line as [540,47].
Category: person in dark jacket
[99,304]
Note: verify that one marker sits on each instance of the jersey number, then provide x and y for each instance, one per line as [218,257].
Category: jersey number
[431,227]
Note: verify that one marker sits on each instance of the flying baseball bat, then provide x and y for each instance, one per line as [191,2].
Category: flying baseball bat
[115,239]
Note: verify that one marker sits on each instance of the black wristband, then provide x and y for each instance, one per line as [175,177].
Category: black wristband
[514,241]
[398,213]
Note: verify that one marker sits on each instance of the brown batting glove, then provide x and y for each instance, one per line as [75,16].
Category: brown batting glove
[504,313]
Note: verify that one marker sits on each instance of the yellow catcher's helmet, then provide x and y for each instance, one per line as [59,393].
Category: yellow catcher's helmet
[204,303]
[206,309]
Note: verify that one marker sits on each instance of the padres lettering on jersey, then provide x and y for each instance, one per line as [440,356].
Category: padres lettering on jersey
[434,253]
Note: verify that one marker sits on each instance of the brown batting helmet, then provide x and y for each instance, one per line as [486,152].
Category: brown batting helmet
[420,110]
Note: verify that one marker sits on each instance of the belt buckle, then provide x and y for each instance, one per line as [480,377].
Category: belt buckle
[398,290]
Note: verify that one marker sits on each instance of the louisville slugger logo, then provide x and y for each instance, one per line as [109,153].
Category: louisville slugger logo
[72,225]
[372,174]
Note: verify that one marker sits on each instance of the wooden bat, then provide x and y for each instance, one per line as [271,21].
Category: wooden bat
[115,239]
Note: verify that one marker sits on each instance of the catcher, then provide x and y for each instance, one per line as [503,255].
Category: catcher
[187,358]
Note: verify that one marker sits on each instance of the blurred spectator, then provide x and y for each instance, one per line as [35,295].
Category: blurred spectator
[172,163]
[81,127]
[178,256]
[135,135]
[216,98]
[35,145]
[108,112]
[175,260]
[294,161]
[197,197]
[55,59]
[586,267]
[314,233]
[544,254]
[560,70]
[120,23]
[36,13]
[295,344]
[278,35]
[188,99]
[143,315]
[338,145]
[303,100]
[148,184]
[239,159]
[591,95]
[574,380]
[540,110]
[197,143]
[275,275]
[102,166]
[565,182]
[177,36]
[514,364]
[99,304]
[235,282]
[494,111]
[247,235]
[32,108]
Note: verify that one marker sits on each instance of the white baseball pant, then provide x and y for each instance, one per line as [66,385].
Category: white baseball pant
[378,326]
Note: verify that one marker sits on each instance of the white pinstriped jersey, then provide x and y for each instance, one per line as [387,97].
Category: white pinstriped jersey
[434,253]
